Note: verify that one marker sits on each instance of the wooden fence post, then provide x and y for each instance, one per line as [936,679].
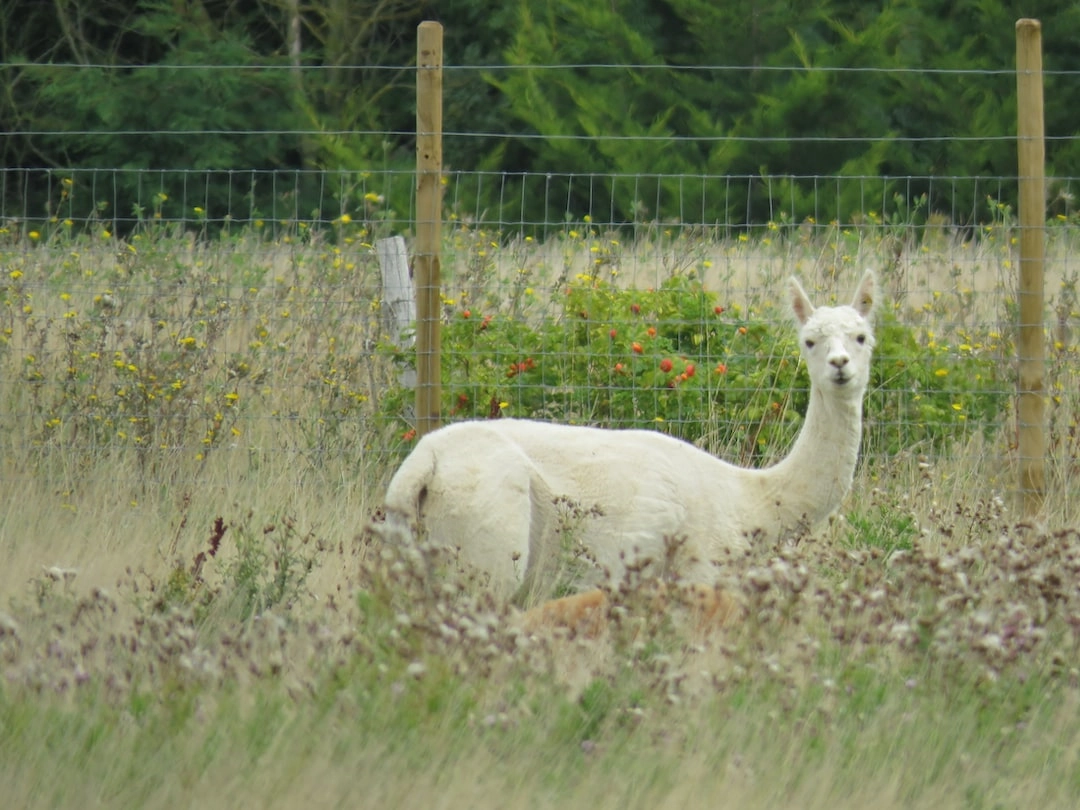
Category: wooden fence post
[426,268]
[1031,343]
[399,299]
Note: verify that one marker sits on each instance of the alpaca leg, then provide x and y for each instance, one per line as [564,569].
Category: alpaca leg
[485,514]
[497,545]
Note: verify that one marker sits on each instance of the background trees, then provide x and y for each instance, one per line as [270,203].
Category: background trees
[318,84]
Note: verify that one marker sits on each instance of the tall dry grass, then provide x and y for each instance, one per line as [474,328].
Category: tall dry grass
[193,617]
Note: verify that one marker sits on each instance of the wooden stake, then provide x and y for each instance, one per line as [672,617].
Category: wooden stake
[1031,346]
[426,266]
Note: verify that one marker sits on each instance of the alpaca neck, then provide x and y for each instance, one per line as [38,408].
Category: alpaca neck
[813,479]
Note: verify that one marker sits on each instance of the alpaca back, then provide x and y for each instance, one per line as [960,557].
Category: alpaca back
[511,495]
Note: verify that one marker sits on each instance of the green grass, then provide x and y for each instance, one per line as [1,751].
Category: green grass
[190,615]
[864,736]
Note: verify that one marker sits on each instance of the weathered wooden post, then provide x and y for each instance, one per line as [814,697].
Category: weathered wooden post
[399,300]
[428,223]
[1031,343]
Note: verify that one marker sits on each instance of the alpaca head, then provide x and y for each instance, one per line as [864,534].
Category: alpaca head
[836,342]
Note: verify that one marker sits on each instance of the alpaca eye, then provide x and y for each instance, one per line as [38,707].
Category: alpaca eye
[861,339]
[809,344]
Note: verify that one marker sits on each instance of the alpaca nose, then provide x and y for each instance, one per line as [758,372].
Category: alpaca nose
[839,360]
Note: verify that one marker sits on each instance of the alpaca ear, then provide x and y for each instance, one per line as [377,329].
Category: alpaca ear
[800,302]
[866,295]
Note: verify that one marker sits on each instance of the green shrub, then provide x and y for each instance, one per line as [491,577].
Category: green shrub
[678,360]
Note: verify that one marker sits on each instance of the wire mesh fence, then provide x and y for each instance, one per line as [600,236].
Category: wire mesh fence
[179,324]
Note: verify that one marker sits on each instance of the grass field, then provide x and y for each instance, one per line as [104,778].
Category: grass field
[193,435]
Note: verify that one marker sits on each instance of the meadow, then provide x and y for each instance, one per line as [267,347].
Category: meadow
[195,430]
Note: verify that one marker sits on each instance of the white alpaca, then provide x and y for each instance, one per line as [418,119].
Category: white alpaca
[492,489]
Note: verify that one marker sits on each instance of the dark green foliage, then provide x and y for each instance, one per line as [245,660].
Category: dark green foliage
[722,112]
[767,111]
[227,139]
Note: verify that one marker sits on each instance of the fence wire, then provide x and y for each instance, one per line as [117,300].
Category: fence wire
[169,325]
